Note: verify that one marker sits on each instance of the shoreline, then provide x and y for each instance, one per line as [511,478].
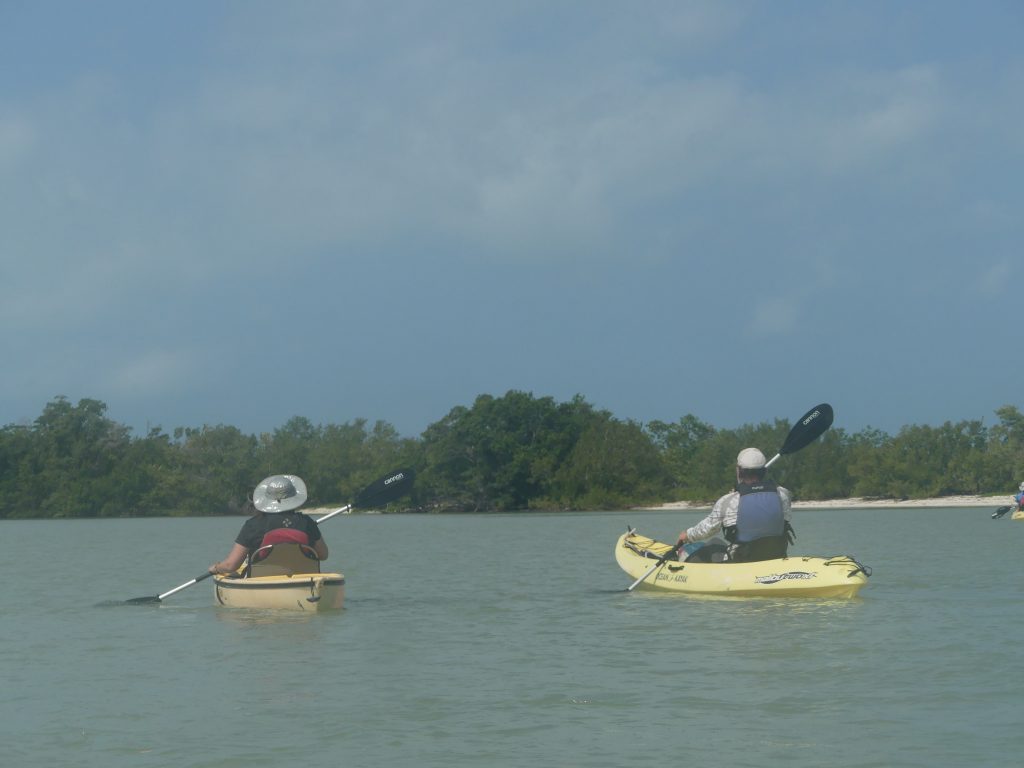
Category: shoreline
[990,502]
[860,503]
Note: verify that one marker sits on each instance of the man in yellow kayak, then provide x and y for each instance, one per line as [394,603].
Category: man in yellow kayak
[754,518]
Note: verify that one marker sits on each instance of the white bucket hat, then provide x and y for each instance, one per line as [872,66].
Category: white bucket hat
[279,493]
[750,458]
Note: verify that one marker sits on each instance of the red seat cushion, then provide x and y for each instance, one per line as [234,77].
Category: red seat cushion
[285,536]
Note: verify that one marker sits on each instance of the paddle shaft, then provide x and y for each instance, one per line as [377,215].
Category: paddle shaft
[187,584]
[653,568]
[329,515]
[808,428]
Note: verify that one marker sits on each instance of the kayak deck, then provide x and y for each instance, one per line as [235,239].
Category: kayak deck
[795,576]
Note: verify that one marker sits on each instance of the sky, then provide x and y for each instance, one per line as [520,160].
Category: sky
[236,213]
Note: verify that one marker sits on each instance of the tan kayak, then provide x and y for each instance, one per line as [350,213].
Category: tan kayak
[281,576]
[291,579]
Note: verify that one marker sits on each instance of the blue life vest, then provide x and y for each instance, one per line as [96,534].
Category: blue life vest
[760,513]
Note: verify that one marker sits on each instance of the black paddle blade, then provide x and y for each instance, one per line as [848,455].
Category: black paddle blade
[1000,512]
[388,488]
[143,600]
[808,428]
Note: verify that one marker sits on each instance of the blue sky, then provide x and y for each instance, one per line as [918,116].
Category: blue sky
[240,212]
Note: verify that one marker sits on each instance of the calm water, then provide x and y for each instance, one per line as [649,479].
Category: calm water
[509,641]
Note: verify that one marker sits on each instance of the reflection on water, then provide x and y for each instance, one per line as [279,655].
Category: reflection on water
[253,617]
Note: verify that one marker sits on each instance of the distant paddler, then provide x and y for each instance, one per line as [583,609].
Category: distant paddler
[1017,506]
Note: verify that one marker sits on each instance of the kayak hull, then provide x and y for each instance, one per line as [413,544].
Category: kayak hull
[795,576]
[1018,514]
[295,592]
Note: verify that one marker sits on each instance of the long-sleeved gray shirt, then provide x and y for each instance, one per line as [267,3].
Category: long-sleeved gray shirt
[724,513]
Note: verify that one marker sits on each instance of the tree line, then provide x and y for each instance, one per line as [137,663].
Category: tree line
[509,453]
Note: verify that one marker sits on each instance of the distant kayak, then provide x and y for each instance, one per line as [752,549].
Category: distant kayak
[795,576]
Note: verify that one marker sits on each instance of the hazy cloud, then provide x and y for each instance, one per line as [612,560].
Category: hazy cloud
[480,174]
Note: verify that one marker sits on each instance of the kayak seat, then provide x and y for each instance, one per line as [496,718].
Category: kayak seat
[765,548]
[284,559]
[285,535]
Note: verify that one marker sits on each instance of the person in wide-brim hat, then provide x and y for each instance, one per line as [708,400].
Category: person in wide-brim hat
[277,500]
[279,493]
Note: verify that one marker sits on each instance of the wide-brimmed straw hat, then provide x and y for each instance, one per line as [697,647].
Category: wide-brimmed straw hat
[279,493]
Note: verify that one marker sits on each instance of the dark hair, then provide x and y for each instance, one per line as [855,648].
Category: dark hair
[754,474]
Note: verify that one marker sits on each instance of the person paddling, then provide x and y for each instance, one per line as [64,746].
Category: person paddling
[1018,498]
[277,500]
[754,518]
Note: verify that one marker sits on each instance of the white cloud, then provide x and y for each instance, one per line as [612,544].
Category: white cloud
[774,317]
[408,139]
[17,139]
[880,112]
[996,279]
[154,372]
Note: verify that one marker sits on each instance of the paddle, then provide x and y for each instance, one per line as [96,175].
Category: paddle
[381,491]
[1000,512]
[378,492]
[808,428]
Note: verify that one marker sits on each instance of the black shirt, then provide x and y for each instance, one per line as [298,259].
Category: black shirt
[257,526]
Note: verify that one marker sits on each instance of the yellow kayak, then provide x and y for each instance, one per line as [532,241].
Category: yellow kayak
[794,576]
[1018,514]
[281,576]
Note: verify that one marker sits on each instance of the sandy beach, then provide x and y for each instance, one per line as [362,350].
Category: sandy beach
[944,501]
[856,503]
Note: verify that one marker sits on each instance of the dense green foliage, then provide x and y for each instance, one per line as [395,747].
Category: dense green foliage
[514,452]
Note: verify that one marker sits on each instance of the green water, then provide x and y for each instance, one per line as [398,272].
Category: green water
[509,641]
